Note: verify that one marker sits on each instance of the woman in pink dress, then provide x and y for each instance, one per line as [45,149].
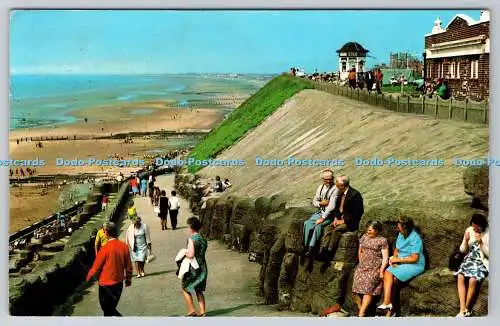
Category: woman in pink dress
[373,258]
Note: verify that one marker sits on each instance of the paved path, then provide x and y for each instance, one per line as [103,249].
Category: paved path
[232,280]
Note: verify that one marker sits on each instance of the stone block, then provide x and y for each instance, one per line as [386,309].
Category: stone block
[240,237]
[286,282]
[273,270]
[476,184]
[54,246]
[278,203]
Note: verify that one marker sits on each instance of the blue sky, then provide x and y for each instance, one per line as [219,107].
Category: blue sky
[128,42]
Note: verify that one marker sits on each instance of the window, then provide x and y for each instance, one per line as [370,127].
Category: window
[474,69]
[452,70]
[344,66]
[441,74]
[429,70]
[458,70]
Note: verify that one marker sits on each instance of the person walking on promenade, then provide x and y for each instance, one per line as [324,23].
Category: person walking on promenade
[144,184]
[138,240]
[101,239]
[174,206]
[114,266]
[196,279]
[134,186]
[104,202]
[164,203]
[131,211]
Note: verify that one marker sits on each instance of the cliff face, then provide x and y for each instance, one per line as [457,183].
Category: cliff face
[272,236]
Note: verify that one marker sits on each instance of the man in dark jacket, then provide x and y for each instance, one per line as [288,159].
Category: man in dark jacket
[164,207]
[347,214]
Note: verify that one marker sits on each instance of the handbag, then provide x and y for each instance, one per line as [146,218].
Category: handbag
[456,260]
[151,257]
[156,209]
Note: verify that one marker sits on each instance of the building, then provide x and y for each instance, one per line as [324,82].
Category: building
[460,53]
[404,60]
[351,55]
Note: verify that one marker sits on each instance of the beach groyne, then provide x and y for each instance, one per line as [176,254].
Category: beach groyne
[271,234]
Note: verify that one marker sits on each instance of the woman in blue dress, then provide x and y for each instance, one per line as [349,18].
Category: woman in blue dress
[406,262]
[138,239]
[196,279]
[144,184]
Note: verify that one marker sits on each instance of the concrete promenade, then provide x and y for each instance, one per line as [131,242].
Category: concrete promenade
[232,280]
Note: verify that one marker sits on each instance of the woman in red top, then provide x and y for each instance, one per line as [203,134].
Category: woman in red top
[134,185]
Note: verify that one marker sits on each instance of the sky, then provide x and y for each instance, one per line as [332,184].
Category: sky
[150,42]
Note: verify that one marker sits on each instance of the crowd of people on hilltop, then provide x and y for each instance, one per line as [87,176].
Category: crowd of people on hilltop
[439,87]
[340,207]
[371,79]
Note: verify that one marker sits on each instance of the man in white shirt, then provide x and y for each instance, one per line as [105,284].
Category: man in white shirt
[173,209]
[325,200]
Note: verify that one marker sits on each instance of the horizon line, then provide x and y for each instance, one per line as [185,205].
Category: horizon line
[144,73]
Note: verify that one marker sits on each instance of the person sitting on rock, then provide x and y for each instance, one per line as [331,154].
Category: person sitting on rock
[475,264]
[373,256]
[324,200]
[216,187]
[406,262]
[348,212]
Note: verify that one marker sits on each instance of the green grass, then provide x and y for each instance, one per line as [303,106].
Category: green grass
[247,116]
[397,89]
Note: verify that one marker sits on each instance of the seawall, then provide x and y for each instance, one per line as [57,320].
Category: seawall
[271,234]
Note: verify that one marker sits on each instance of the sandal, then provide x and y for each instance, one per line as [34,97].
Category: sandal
[192,314]
[385,306]
[200,315]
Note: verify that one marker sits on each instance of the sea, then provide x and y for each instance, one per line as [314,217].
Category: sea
[47,100]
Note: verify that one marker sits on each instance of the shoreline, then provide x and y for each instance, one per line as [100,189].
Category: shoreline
[147,116]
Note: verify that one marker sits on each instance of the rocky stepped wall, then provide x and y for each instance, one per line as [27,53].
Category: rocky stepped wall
[271,234]
[49,282]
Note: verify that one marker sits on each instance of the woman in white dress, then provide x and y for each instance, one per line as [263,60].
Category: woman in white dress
[139,241]
[475,265]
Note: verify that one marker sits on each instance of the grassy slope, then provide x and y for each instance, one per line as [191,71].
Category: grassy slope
[248,116]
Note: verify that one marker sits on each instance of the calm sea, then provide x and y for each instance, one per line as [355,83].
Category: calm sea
[44,100]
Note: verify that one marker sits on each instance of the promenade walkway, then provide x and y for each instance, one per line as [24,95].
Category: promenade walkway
[232,280]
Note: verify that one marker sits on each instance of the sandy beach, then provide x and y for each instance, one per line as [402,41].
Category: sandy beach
[29,204]
[107,120]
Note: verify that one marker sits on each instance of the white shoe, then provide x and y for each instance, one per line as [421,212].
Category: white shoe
[142,274]
[460,315]
[385,306]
